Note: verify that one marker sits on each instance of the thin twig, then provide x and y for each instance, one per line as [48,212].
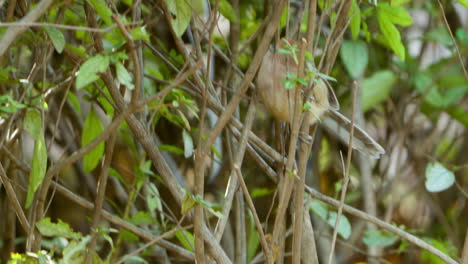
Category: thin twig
[453,39]
[61,26]
[386,226]
[266,249]
[346,175]
[11,195]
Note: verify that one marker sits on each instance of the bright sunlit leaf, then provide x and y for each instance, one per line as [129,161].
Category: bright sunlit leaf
[438,178]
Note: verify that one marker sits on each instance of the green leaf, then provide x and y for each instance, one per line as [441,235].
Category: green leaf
[391,34]
[153,198]
[128,236]
[463,3]
[60,229]
[458,113]
[74,101]
[344,227]
[123,76]
[9,105]
[377,88]
[261,192]
[227,11]
[142,218]
[171,149]
[355,57]
[397,15]
[445,246]
[438,178]
[355,23]
[102,10]
[439,35]
[88,70]
[75,252]
[398,2]
[182,14]
[188,144]
[379,238]
[57,38]
[91,130]
[4,73]
[33,124]
[140,33]
[188,202]
[253,238]
[186,239]
[321,210]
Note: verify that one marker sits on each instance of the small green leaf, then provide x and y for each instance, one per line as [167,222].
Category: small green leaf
[377,88]
[463,3]
[142,218]
[438,178]
[355,23]
[458,113]
[379,238]
[57,38]
[397,15]
[92,129]
[443,245]
[88,70]
[321,210]
[102,10]
[75,252]
[123,76]
[260,192]
[153,199]
[38,168]
[188,144]
[344,227]
[186,239]
[33,124]
[60,229]
[391,34]
[140,33]
[188,202]
[171,149]
[355,57]
[182,12]
[74,101]
[398,2]
[227,11]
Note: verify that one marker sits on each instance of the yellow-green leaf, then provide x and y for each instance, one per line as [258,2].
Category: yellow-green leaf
[182,12]
[391,34]
[102,10]
[397,15]
[57,38]
[377,88]
[92,129]
[123,76]
[355,23]
[88,70]
[38,168]
[355,57]
[33,124]
[60,229]
[463,2]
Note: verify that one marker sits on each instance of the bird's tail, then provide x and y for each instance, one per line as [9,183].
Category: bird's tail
[338,125]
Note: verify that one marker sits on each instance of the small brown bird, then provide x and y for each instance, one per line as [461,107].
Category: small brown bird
[323,103]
